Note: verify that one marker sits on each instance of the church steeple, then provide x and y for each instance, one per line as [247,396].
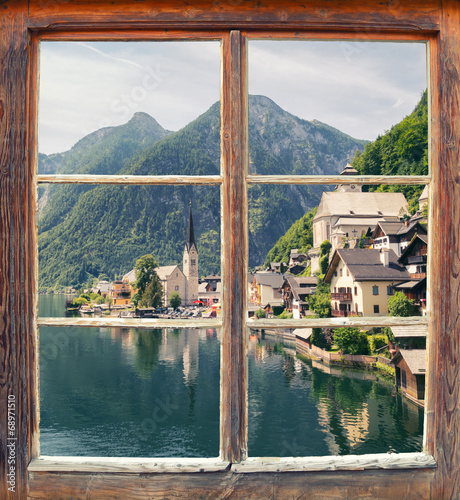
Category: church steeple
[190,241]
[191,262]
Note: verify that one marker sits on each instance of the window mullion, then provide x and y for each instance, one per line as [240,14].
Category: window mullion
[234,249]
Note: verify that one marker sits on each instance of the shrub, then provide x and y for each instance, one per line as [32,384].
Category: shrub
[277,310]
[322,338]
[285,315]
[377,342]
[260,313]
[80,301]
[99,300]
[351,341]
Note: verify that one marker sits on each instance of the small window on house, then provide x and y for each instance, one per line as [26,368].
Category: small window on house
[403,379]
[341,273]
[335,274]
[389,290]
[176,288]
[348,272]
[356,290]
[192,262]
[376,309]
[375,290]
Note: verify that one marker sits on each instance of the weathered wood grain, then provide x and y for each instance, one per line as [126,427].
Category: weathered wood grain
[337,322]
[144,323]
[357,15]
[337,179]
[130,179]
[110,465]
[17,265]
[17,355]
[369,485]
[443,387]
[348,462]
[234,249]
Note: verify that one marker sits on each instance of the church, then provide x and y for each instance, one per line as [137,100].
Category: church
[172,278]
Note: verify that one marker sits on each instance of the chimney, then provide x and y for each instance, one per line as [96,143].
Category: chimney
[385,257]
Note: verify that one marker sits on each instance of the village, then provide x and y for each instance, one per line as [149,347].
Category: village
[367,250]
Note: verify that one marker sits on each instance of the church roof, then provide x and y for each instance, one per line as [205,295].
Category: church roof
[190,241]
[361,204]
[164,272]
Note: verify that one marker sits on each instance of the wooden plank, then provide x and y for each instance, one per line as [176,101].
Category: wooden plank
[234,250]
[18,421]
[145,323]
[130,179]
[369,484]
[362,322]
[111,465]
[359,15]
[338,179]
[348,462]
[443,388]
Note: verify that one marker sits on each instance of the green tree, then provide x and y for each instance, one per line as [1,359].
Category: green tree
[175,300]
[148,284]
[351,341]
[320,301]
[260,313]
[320,339]
[80,301]
[400,305]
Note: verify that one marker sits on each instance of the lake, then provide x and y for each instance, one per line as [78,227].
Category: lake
[155,393]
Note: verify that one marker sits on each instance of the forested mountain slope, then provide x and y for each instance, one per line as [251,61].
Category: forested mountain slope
[85,231]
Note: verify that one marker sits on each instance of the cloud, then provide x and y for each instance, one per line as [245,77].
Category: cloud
[360,88]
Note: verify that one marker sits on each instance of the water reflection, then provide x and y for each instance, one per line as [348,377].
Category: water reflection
[129,392]
[299,407]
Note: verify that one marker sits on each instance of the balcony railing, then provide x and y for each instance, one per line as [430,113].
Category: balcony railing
[344,314]
[343,297]
[418,276]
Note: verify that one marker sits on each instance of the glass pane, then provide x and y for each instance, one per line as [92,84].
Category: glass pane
[129,392]
[300,405]
[91,239]
[356,252]
[131,108]
[312,104]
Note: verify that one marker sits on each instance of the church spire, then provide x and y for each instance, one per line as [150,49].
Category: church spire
[190,241]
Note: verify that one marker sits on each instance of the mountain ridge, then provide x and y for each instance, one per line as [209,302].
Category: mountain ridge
[104,229]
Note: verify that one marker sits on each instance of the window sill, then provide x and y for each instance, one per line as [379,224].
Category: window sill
[125,465]
[101,465]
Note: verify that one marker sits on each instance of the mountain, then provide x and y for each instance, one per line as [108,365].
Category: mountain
[88,230]
[403,150]
[104,151]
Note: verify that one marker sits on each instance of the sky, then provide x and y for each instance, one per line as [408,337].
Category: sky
[360,88]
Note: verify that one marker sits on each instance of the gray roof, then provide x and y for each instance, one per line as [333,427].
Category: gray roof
[415,359]
[361,204]
[410,331]
[274,280]
[131,275]
[303,333]
[365,264]
[424,195]
[164,272]
[358,221]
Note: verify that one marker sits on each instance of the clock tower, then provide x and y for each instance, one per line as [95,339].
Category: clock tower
[348,188]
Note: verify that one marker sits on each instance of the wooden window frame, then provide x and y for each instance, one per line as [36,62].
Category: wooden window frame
[434,473]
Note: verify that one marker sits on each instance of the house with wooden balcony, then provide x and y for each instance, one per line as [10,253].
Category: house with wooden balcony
[362,281]
[414,258]
[265,288]
[121,292]
[295,290]
[396,235]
